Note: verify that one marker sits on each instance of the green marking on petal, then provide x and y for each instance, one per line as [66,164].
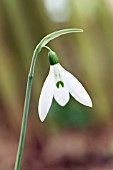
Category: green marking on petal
[59,83]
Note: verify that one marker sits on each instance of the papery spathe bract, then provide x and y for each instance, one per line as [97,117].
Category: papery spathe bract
[58,84]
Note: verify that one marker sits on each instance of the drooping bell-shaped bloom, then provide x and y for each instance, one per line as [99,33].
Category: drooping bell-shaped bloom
[60,84]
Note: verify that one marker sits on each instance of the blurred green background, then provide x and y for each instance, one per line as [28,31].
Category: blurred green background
[88,55]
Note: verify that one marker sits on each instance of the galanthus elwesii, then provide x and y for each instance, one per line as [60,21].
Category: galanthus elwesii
[60,84]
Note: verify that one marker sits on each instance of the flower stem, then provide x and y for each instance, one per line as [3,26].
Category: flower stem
[24,123]
[38,48]
[48,48]
[25,112]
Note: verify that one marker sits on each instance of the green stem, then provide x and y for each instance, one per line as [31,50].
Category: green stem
[24,123]
[25,112]
[38,48]
[49,49]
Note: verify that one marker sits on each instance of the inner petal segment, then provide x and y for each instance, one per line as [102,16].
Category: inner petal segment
[61,95]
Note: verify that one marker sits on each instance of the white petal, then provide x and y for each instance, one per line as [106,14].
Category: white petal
[46,97]
[61,95]
[75,88]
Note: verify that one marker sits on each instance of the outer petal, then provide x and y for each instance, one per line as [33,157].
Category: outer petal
[61,95]
[75,88]
[46,97]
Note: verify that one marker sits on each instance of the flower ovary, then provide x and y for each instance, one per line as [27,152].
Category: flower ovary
[53,59]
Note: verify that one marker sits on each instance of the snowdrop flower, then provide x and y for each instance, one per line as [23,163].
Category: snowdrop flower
[58,84]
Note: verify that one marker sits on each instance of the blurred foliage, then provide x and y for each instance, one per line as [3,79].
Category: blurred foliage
[72,115]
[88,55]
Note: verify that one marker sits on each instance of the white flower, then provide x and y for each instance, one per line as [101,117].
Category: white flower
[58,84]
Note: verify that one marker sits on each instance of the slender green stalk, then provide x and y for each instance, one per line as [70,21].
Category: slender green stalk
[24,122]
[47,48]
[38,48]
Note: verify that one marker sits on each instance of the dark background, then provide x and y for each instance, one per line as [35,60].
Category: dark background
[72,137]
